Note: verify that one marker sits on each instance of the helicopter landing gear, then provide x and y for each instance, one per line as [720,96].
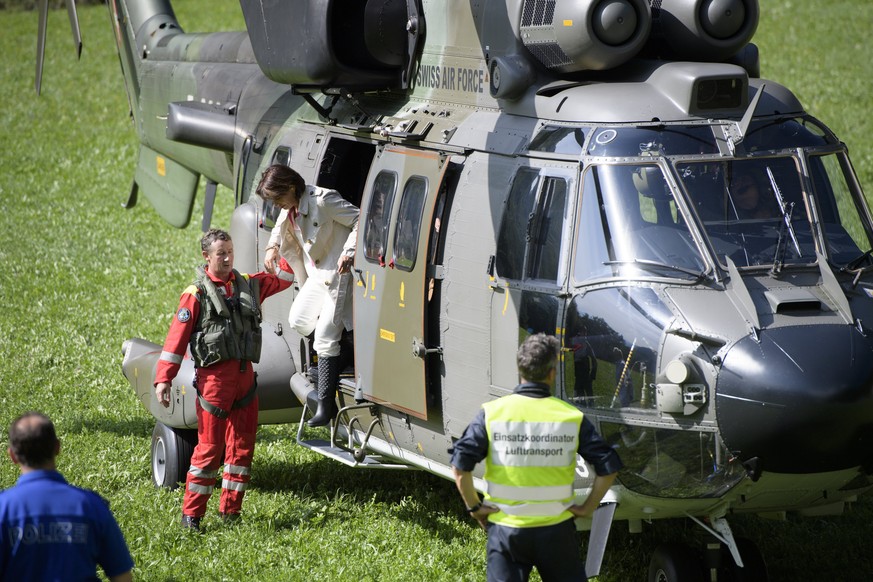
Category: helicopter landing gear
[676,562]
[754,568]
[171,454]
[673,562]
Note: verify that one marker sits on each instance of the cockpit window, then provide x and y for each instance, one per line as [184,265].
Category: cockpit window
[645,233]
[531,233]
[666,140]
[554,139]
[846,231]
[785,133]
[513,230]
[752,210]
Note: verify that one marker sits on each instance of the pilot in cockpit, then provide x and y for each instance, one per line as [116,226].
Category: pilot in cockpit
[749,199]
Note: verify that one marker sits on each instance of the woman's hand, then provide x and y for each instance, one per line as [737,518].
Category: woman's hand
[271,260]
[345,263]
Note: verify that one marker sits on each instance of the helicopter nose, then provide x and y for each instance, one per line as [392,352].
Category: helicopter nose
[800,399]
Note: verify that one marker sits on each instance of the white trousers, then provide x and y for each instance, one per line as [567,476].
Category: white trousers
[313,309]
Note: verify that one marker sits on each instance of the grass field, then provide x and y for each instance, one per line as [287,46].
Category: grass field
[82,274]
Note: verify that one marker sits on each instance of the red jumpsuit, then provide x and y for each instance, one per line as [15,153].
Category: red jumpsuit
[221,384]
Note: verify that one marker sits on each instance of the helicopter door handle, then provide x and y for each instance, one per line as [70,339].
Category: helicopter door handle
[360,275]
[419,350]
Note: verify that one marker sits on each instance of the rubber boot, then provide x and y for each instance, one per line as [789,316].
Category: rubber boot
[312,365]
[328,378]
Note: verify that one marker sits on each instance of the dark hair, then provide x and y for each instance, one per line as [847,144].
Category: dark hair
[279,180]
[537,356]
[32,439]
[212,235]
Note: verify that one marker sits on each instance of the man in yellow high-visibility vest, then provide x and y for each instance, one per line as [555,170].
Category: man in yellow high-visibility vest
[529,441]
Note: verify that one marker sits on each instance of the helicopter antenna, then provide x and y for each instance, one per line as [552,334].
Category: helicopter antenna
[736,137]
[41,33]
[624,371]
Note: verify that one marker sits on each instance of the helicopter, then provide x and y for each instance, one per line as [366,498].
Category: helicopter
[611,172]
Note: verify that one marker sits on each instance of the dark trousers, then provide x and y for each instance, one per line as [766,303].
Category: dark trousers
[553,550]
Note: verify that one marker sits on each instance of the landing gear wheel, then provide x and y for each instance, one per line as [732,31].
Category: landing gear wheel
[754,569]
[171,454]
[675,563]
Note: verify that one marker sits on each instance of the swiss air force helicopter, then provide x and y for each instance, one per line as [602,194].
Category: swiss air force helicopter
[613,172]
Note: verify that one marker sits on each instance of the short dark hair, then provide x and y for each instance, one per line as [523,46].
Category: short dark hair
[537,355]
[212,235]
[278,180]
[32,439]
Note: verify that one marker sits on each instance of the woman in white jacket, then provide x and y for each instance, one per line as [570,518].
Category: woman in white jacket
[316,233]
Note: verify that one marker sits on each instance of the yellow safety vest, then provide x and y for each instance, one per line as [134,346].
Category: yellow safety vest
[531,462]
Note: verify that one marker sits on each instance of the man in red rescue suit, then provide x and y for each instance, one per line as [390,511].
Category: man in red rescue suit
[219,317]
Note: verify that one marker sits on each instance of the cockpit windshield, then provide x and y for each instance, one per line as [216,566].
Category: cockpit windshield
[644,231]
[752,210]
[758,209]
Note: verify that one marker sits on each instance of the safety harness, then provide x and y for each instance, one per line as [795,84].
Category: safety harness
[220,412]
[228,329]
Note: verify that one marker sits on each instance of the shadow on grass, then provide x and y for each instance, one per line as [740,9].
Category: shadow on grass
[413,496]
[140,427]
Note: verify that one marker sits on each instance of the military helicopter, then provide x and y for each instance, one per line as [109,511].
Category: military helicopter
[612,172]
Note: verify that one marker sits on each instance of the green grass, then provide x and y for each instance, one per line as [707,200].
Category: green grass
[82,275]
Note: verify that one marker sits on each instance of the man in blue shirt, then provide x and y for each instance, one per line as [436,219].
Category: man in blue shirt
[49,529]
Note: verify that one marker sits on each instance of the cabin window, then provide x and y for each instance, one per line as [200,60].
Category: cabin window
[269,211]
[530,242]
[378,216]
[282,156]
[409,223]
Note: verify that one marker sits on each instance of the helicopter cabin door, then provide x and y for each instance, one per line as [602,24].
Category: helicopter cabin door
[397,214]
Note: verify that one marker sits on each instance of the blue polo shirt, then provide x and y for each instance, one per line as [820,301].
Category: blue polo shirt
[51,530]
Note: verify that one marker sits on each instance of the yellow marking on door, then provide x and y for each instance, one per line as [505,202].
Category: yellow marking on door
[373,286]
[402,293]
[386,335]
[161,166]
[568,22]
[505,301]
